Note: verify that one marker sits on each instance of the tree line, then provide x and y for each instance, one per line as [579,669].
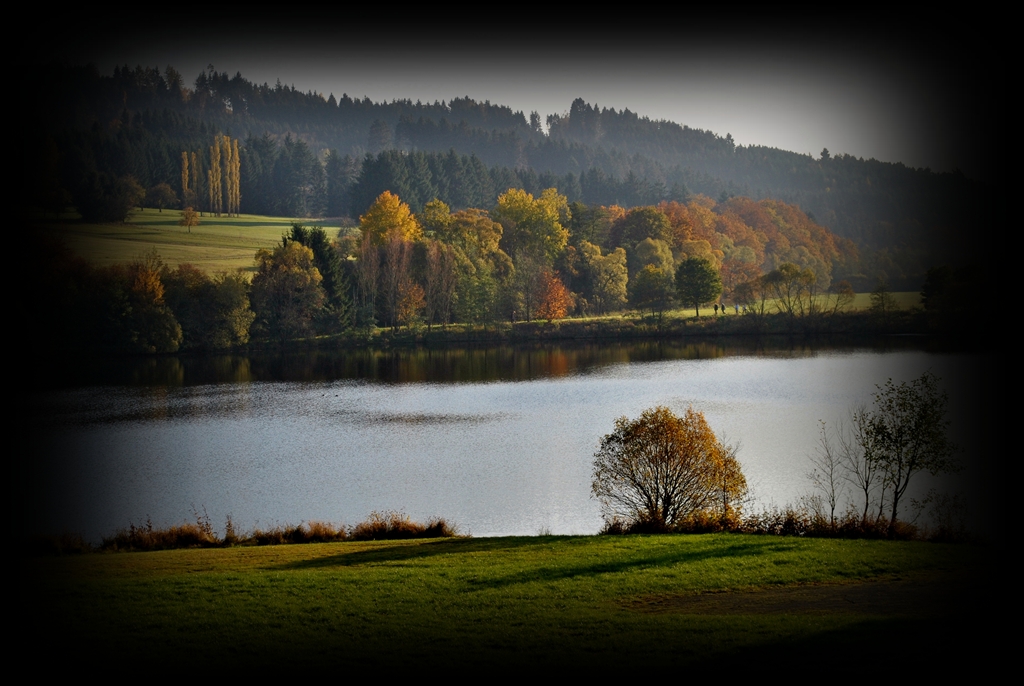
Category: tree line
[137,121]
[525,258]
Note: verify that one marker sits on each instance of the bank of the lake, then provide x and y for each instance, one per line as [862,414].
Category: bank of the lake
[593,603]
[627,327]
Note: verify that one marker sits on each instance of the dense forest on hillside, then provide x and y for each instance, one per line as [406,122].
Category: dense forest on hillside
[304,154]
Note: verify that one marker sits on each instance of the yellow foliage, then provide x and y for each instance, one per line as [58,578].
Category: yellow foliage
[389,216]
[534,225]
[189,218]
[660,469]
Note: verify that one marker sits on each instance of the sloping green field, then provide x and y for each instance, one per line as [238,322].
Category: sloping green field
[596,604]
[217,244]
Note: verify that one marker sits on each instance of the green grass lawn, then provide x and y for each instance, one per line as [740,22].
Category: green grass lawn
[861,301]
[217,244]
[593,603]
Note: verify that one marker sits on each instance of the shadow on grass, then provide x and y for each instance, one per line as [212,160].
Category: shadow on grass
[620,558]
[406,551]
[208,222]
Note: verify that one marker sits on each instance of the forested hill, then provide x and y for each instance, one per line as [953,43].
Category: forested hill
[138,121]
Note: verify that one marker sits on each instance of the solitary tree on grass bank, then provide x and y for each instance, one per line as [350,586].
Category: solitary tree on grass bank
[189,218]
[659,469]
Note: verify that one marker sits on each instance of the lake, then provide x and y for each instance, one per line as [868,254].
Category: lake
[498,440]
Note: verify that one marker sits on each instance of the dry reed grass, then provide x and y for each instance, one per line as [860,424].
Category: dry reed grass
[378,526]
[397,525]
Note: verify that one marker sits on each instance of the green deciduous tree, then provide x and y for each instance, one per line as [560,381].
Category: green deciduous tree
[651,289]
[436,218]
[697,282]
[883,303]
[907,434]
[286,291]
[654,252]
[792,287]
[214,312]
[531,225]
[161,196]
[605,277]
[101,198]
[337,312]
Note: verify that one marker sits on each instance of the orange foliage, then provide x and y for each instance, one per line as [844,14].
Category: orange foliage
[410,301]
[555,299]
[614,213]
[680,218]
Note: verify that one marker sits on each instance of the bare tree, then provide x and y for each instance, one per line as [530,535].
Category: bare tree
[828,474]
[395,275]
[368,276]
[862,474]
[441,278]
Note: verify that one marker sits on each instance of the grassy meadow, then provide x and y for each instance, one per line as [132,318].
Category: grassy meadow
[598,603]
[217,244]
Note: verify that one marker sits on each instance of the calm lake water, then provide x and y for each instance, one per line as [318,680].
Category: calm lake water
[499,440]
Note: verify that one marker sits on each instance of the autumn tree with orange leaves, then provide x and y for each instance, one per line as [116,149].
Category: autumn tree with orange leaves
[658,470]
[555,299]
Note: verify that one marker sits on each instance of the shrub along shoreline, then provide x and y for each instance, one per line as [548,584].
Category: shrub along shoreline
[798,522]
[378,526]
[625,328]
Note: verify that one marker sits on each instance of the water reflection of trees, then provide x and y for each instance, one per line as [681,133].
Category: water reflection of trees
[435,365]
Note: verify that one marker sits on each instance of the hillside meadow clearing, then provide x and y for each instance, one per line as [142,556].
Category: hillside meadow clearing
[217,244]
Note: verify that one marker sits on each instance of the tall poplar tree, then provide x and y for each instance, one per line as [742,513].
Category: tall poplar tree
[226,172]
[185,197]
[216,196]
[198,179]
[236,176]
